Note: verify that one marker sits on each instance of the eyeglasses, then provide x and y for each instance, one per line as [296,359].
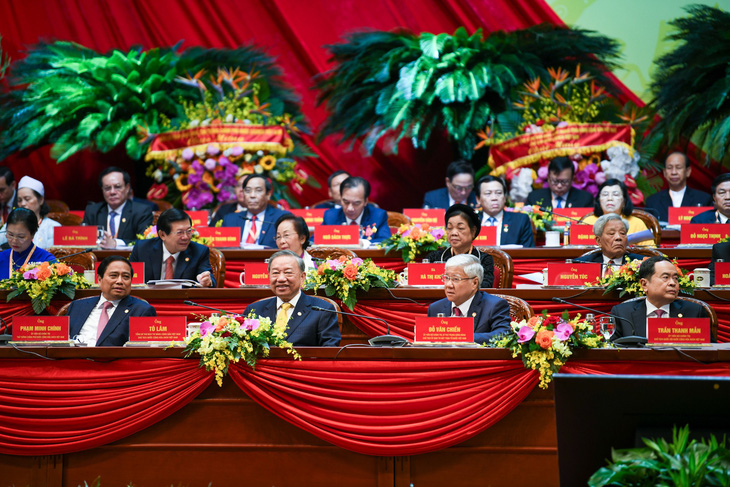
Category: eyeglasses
[455,279]
[560,182]
[462,189]
[180,233]
[17,238]
[109,189]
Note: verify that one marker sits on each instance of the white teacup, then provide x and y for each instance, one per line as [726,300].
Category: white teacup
[702,277]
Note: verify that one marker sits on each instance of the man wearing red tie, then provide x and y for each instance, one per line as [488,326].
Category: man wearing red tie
[8,195]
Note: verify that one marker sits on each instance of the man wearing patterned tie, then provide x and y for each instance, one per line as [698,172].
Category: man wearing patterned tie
[104,320]
[306,327]
[560,192]
[659,279]
[611,232]
[462,275]
[8,194]
[513,228]
[356,210]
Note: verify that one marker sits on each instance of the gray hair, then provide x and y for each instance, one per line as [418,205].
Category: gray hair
[604,219]
[469,263]
[286,253]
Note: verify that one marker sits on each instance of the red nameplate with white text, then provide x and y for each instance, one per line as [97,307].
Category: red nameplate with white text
[722,273]
[678,330]
[432,216]
[222,236]
[40,329]
[445,329]
[703,233]
[425,274]
[575,274]
[562,215]
[683,214]
[313,216]
[137,269]
[199,218]
[75,236]
[256,274]
[337,235]
[582,235]
[487,236]
[157,328]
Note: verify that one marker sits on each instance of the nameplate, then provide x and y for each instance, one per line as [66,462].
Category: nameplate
[575,274]
[703,233]
[562,215]
[487,236]
[432,216]
[157,328]
[678,330]
[722,273]
[199,218]
[256,274]
[337,235]
[425,274]
[40,328]
[582,235]
[313,216]
[75,236]
[222,236]
[683,214]
[137,273]
[452,329]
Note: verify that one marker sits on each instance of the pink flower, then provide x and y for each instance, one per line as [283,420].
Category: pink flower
[542,173]
[250,324]
[333,264]
[212,150]
[525,334]
[31,274]
[210,164]
[437,233]
[206,328]
[563,331]
[236,151]
[600,178]
[357,261]
[188,154]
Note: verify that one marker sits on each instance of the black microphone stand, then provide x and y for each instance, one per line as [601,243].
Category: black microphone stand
[387,340]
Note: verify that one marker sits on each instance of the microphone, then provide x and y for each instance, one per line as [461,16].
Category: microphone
[75,254]
[628,341]
[548,210]
[191,303]
[387,340]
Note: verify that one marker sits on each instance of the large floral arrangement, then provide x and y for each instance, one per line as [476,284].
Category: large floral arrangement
[416,239]
[344,276]
[545,342]
[42,281]
[226,339]
[151,232]
[625,279]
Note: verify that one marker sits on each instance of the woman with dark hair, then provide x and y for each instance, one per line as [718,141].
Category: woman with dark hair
[31,195]
[22,226]
[292,234]
[462,227]
[614,198]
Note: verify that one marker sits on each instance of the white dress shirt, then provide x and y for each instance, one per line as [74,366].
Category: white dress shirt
[293,303]
[463,307]
[677,197]
[650,308]
[249,223]
[165,254]
[88,332]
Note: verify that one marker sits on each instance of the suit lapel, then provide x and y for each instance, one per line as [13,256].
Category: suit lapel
[266,225]
[506,222]
[120,313]
[126,218]
[84,306]
[475,307]
[301,310]
[638,318]
[675,308]
[183,260]
[155,260]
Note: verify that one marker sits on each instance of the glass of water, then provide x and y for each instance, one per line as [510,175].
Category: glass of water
[606,326]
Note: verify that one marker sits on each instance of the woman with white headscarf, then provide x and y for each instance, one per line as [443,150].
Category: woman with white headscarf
[31,195]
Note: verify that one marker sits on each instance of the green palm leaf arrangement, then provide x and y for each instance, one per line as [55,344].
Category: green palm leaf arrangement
[398,84]
[692,83]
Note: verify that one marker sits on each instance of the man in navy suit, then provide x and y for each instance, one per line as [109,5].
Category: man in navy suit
[459,188]
[357,211]
[104,320]
[172,255]
[333,184]
[462,276]
[721,197]
[660,281]
[122,218]
[257,222]
[515,228]
[560,192]
[611,233]
[676,171]
[306,327]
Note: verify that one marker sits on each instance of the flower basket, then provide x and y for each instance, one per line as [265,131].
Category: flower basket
[625,279]
[413,240]
[41,282]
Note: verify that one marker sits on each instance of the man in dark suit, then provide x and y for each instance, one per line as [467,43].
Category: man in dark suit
[333,184]
[118,214]
[8,194]
[720,251]
[659,279]
[515,228]
[676,171]
[172,255]
[560,192]
[611,232]
[357,211]
[459,188]
[721,197]
[306,327]
[257,222]
[104,320]
[462,276]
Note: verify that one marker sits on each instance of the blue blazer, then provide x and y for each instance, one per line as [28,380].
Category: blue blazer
[491,315]
[116,331]
[136,218]
[267,235]
[709,216]
[222,212]
[371,215]
[439,198]
[516,229]
[661,201]
[307,327]
[192,261]
[635,312]
[577,198]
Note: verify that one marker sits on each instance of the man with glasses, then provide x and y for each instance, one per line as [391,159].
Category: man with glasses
[121,218]
[356,210]
[560,192]
[257,222]
[172,255]
[721,197]
[462,276]
[459,188]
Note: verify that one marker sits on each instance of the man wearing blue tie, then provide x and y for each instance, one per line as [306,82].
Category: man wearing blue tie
[560,192]
[513,228]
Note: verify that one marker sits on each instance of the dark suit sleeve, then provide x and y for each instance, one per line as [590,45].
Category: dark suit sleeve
[134,256]
[488,266]
[90,215]
[148,310]
[497,322]
[204,264]
[328,331]
[143,217]
[383,228]
[526,238]
[622,327]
